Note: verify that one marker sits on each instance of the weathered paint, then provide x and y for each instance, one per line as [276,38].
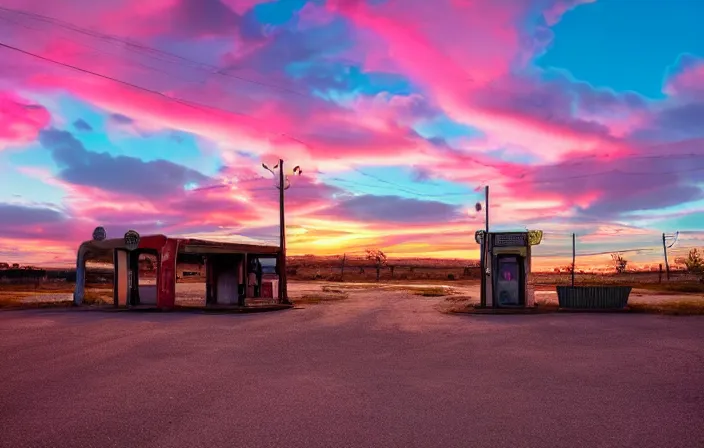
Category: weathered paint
[166,284]
[122,278]
[154,242]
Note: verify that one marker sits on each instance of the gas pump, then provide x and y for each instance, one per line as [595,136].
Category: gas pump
[507,268]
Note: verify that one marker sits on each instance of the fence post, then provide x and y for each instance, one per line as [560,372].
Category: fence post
[342,270]
[667,264]
[574,255]
[660,274]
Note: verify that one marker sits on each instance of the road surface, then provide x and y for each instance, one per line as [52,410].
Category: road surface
[371,371]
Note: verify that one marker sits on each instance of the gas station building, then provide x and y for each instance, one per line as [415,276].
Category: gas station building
[232,269]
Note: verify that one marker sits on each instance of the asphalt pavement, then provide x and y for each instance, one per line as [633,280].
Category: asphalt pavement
[388,371]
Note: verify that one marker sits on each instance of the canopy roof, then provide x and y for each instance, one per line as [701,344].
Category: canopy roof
[186,244]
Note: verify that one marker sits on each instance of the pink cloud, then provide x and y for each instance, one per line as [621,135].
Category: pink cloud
[466,74]
[312,128]
[142,18]
[20,119]
[687,78]
[554,13]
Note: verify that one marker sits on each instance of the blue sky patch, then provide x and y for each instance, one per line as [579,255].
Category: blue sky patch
[626,45]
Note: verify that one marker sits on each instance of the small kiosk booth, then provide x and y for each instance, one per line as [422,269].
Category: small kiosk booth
[506,265]
[230,269]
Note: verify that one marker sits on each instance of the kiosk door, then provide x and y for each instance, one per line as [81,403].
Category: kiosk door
[508,286]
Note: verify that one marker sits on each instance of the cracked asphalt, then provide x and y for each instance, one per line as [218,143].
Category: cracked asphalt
[375,370]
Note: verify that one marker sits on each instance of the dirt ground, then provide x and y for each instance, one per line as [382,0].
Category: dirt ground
[467,291]
[451,296]
[322,291]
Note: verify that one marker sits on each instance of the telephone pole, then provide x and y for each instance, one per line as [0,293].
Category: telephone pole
[283,281]
[482,246]
[283,284]
[664,248]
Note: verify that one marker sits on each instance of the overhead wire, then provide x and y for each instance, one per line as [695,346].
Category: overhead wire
[192,104]
[134,45]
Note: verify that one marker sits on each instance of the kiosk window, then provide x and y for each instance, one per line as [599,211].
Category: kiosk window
[508,281]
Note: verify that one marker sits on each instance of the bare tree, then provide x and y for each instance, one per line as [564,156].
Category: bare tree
[619,262]
[379,259]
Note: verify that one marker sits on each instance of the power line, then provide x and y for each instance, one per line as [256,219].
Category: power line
[337,179]
[385,181]
[554,180]
[139,46]
[615,171]
[192,104]
[593,254]
[582,160]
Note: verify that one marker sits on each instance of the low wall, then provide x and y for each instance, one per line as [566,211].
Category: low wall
[593,297]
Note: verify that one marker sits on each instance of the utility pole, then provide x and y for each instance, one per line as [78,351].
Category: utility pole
[664,248]
[574,255]
[283,285]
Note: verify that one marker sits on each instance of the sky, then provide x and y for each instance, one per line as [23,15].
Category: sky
[581,116]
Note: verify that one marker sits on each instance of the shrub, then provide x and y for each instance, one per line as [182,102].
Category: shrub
[694,262]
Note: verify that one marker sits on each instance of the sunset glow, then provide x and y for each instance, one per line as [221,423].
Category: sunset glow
[579,116]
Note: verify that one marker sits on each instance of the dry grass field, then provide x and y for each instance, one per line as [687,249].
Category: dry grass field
[323,279]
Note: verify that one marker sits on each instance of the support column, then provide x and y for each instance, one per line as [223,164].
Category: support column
[528,274]
[133,267]
[209,297]
[80,290]
[241,279]
[166,284]
[243,300]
